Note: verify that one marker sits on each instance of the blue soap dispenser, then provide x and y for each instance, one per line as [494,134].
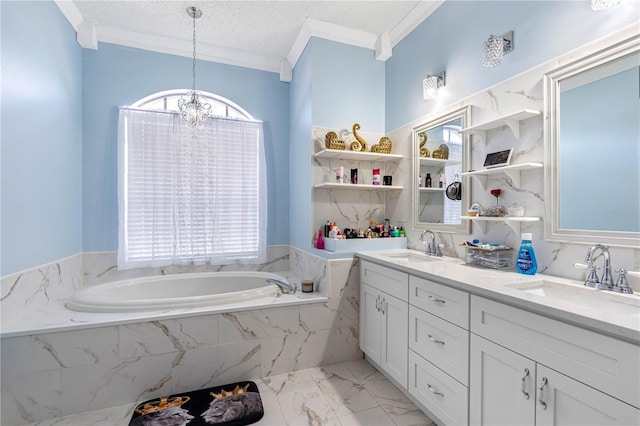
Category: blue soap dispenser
[526,263]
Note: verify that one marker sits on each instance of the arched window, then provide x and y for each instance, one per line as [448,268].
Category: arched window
[190,197]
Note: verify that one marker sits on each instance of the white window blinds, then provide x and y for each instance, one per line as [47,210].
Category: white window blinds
[190,197]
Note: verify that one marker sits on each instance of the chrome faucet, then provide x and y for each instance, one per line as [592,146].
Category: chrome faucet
[286,287]
[606,283]
[431,248]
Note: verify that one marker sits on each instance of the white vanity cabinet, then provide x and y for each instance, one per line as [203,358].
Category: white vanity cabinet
[384,319]
[515,359]
[439,349]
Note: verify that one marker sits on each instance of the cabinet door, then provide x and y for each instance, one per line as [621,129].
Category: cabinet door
[370,320]
[564,401]
[395,338]
[502,386]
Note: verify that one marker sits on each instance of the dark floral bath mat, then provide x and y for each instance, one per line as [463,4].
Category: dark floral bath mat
[234,404]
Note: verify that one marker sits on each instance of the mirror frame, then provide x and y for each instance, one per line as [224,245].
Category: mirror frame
[443,117]
[552,79]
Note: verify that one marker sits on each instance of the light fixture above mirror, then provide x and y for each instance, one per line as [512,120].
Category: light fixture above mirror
[431,84]
[495,47]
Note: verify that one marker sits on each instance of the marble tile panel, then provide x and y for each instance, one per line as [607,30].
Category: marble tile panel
[157,337]
[31,397]
[24,292]
[372,417]
[112,416]
[309,407]
[258,324]
[59,350]
[309,266]
[342,389]
[107,384]
[272,412]
[396,404]
[211,366]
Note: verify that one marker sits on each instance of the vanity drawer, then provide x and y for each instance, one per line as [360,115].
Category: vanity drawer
[602,362]
[442,301]
[390,281]
[444,344]
[443,396]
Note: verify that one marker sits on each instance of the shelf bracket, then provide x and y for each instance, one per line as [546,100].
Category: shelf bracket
[481,134]
[514,125]
[514,225]
[481,224]
[482,180]
[514,175]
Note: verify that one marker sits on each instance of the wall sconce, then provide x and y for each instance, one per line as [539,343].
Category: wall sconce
[598,5]
[495,47]
[431,84]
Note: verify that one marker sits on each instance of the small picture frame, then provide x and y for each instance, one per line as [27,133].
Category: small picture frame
[498,159]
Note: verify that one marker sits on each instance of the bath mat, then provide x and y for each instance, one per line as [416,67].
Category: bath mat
[234,404]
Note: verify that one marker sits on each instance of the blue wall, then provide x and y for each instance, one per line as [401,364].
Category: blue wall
[41,159]
[115,75]
[334,85]
[451,39]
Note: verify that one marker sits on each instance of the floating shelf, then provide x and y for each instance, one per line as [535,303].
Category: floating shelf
[511,120]
[356,186]
[356,155]
[437,162]
[424,189]
[513,172]
[512,222]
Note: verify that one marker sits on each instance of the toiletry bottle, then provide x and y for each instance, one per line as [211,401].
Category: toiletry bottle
[441,180]
[526,263]
[327,229]
[402,232]
[420,180]
[427,181]
[340,174]
[376,176]
[320,241]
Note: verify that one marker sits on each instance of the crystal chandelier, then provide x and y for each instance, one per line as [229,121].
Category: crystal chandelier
[192,109]
[603,4]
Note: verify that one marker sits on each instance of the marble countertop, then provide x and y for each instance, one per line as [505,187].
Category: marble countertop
[505,287]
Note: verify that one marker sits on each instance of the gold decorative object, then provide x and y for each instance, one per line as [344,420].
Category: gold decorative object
[238,390]
[424,152]
[331,141]
[442,152]
[162,404]
[359,144]
[383,147]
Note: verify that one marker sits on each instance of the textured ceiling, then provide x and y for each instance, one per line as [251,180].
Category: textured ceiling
[263,28]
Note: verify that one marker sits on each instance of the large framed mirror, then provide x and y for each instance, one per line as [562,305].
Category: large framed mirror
[440,154]
[592,148]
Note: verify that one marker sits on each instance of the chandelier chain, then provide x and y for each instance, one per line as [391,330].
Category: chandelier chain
[194,52]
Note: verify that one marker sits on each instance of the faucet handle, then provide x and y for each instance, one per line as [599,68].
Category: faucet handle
[622,285]
[592,279]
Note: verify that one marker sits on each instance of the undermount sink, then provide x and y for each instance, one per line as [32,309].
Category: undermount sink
[411,257]
[579,295]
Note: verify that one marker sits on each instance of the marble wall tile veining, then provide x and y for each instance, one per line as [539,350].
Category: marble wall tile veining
[255,325]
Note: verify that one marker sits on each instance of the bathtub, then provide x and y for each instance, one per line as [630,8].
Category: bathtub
[176,291]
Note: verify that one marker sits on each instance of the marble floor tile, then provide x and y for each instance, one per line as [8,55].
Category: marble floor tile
[349,394]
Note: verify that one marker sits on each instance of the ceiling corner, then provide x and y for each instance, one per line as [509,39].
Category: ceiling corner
[71,12]
[412,20]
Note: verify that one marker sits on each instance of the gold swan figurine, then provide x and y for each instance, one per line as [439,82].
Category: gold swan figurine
[359,144]
[424,152]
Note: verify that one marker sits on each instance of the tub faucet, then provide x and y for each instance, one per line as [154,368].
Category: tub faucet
[606,283]
[431,248]
[286,287]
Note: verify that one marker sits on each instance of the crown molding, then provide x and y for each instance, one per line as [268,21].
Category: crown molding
[412,20]
[71,12]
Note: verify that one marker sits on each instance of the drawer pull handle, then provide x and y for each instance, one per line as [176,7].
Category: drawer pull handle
[541,388]
[378,303]
[436,300]
[433,391]
[434,340]
[523,385]
[382,305]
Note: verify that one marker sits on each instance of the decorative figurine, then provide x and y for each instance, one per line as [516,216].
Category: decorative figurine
[331,141]
[442,152]
[424,152]
[359,144]
[383,147]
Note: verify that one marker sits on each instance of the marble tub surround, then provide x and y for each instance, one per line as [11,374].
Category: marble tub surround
[504,286]
[349,393]
[84,364]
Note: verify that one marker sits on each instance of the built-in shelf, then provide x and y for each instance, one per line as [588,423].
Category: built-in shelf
[512,222]
[355,186]
[511,120]
[424,189]
[513,172]
[356,155]
[427,161]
